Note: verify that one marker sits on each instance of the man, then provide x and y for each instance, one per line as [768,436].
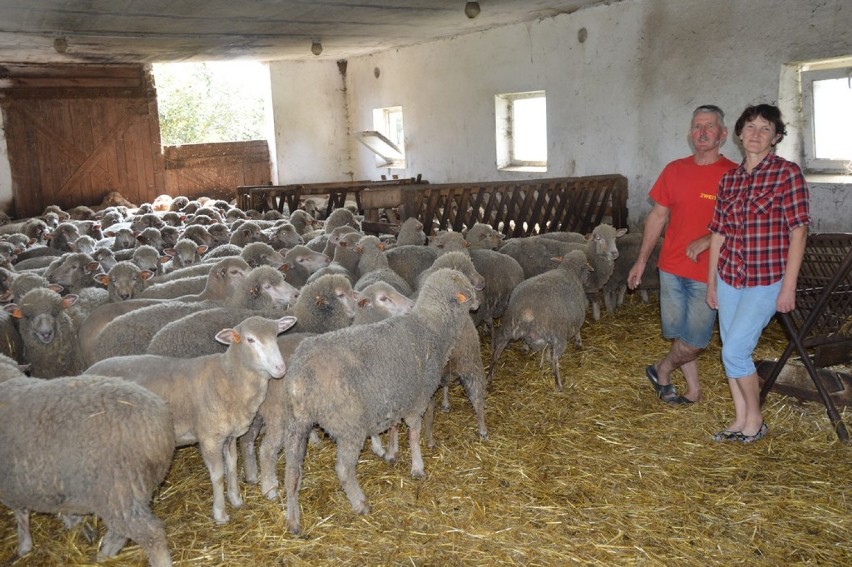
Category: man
[684,197]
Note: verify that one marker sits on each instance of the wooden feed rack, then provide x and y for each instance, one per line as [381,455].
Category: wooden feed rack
[821,322]
[518,208]
[264,198]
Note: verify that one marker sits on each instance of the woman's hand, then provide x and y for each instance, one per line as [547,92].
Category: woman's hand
[786,301]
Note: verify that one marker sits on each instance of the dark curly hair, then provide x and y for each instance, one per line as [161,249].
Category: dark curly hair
[768,112]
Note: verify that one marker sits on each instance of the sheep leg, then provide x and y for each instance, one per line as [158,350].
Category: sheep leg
[111,545]
[231,477]
[497,348]
[25,540]
[211,452]
[348,450]
[417,468]
[473,388]
[445,402]
[295,446]
[144,528]
[388,455]
[428,422]
[555,363]
[270,448]
[247,448]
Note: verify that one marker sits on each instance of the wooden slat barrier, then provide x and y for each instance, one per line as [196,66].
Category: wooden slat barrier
[275,197]
[519,208]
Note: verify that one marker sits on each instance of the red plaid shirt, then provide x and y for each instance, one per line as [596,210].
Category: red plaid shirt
[755,212]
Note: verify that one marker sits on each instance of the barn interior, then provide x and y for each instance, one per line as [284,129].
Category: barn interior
[599,474]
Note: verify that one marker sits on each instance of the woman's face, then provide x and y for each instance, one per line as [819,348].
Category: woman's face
[758,136]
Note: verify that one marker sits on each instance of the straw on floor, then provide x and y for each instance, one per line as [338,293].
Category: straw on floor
[600,474]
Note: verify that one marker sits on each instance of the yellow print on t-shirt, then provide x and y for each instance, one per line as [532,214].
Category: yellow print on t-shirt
[708,196]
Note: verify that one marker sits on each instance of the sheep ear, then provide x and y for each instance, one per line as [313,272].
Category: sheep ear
[146,275]
[69,300]
[102,279]
[461,297]
[6,296]
[14,311]
[228,336]
[56,288]
[620,232]
[163,259]
[364,302]
[170,252]
[285,323]
[202,249]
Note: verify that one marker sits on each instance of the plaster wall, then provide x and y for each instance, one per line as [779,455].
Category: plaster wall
[310,112]
[5,176]
[618,102]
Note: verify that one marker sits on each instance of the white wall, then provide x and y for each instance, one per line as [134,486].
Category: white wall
[5,176]
[311,127]
[620,102]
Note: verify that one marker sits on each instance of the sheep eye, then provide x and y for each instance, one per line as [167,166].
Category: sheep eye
[250,339]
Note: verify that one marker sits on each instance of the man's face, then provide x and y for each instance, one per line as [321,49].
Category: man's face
[706,133]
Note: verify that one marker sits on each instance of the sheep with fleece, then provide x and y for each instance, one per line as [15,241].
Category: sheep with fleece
[213,399]
[85,445]
[134,332]
[263,292]
[341,382]
[502,274]
[185,253]
[545,311]
[48,334]
[73,271]
[301,262]
[373,266]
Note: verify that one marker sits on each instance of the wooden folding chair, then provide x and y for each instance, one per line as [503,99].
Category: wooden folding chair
[822,316]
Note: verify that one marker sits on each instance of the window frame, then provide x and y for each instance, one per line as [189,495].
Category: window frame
[808,74]
[389,153]
[504,119]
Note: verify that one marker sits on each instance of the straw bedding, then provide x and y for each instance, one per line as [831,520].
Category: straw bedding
[601,474]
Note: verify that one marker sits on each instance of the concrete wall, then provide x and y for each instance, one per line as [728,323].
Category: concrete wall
[619,102]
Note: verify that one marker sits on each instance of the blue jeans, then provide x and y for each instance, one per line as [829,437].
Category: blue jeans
[684,312]
[743,314]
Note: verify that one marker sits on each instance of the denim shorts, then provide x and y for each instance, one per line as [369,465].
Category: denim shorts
[684,311]
[743,314]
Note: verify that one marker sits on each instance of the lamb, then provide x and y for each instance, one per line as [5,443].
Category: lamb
[409,261]
[327,304]
[49,337]
[337,219]
[448,241]
[151,237]
[105,257]
[222,251]
[26,282]
[379,301]
[62,236]
[285,236]
[73,272]
[120,239]
[502,274]
[124,281]
[345,257]
[148,258]
[457,261]
[601,252]
[220,234]
[340,381]
[301,262]
[176,288]
[247,233]
[483,236]
[616,286]
[261,254]
[374,266]
[58,436]
[200,235]
[411,233]
[213,398]
[142,222]
[546,310]
[302,221]
[100,339]
[185,253]
[262,292]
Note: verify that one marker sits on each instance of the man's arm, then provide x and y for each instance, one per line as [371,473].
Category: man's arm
[655,222]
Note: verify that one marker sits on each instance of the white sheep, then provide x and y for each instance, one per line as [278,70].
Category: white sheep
[342,382]
[545,311]
[85,445]
[213,398]
[48,334]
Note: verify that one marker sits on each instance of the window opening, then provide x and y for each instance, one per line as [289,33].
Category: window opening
[521,131]
[827,118]
[387,138]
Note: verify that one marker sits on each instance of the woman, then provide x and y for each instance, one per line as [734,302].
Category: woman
[758,233]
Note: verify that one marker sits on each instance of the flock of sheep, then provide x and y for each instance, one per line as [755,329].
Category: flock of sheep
[128,333]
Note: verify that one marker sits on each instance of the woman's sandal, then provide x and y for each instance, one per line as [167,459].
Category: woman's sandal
[761,433]
[651,375]
[726,435]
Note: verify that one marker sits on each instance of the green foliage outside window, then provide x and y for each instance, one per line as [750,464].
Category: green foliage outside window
[212,102]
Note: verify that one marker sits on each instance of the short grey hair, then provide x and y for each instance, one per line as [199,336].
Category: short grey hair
[705,108]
